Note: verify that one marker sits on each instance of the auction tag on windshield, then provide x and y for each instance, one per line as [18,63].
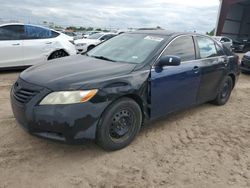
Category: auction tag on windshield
[158,39]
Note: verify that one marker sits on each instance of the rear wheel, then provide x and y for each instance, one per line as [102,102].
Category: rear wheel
[57,54]
[119,125]
[224,92]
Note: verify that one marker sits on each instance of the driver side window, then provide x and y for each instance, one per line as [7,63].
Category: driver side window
[182,47]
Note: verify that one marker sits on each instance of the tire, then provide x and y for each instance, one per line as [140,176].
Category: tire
[90,48]
[224,92]
[57,54]
[119,124]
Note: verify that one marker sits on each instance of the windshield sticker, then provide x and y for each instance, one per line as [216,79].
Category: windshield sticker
[158,39]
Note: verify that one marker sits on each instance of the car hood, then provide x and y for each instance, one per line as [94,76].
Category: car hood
[74,72]
[87,41]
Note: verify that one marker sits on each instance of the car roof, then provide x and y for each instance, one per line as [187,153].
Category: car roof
[164,32]
[104,33]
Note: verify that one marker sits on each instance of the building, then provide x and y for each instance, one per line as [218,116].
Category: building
[234,19]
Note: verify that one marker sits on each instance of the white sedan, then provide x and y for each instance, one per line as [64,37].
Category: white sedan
[23,45]
[84,45]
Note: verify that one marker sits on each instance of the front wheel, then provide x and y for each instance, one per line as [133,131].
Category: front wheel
[224,91]
[119,125]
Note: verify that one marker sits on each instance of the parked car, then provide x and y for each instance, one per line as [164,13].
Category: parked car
[69,33]
[226,41]
[89,33]
[245,63]
[111,91]
[25,45]
[74,35]
[84,45]
[241,45]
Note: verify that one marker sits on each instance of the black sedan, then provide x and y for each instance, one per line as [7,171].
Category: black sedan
[245,63]
[111,91]
[241,45]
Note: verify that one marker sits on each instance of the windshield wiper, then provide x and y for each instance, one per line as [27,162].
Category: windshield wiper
[103,58]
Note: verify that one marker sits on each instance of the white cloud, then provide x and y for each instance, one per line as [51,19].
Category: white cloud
[184,15]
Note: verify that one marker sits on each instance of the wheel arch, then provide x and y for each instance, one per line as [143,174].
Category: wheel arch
[91,46]
[48,58]
[233,78]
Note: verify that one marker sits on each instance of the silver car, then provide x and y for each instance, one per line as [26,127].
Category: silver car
[225,41]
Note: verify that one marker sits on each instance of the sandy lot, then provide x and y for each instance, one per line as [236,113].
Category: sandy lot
[205,146]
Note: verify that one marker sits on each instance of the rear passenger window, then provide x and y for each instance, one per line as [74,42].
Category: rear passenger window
[182,47]
[206,47]
[11,32]
[33,32]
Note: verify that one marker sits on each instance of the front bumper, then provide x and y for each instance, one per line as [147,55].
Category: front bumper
[68,123]
[81,49]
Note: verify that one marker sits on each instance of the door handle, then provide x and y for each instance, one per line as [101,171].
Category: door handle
[16,44]
[48,42]
[196,69]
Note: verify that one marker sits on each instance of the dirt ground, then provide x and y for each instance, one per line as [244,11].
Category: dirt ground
[205,146]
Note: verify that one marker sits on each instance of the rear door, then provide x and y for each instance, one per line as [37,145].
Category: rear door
[213,67]
[174,88]
[11,53]
[38,44]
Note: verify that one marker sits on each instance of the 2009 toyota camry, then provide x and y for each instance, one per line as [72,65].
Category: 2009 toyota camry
[108,93]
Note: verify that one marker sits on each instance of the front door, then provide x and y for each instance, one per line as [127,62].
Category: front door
[174,88]
[11,52]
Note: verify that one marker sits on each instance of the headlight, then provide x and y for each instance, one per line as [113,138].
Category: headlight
[68,97]
[81,44]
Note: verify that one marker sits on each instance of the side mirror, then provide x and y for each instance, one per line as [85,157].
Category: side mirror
[169,61]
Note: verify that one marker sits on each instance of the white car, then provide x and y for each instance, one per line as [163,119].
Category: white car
[89,33]
[23,45]
[225,41]
[84,45]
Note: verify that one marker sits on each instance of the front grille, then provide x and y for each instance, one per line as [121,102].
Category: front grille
[23,94]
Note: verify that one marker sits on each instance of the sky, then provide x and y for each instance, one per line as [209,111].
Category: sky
[180,15]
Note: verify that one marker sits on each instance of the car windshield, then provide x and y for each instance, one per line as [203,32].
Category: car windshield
[128,48]
[95,36]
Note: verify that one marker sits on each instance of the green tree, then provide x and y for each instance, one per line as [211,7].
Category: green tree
[211,33]
[98,29]
[90,29]
[73,28]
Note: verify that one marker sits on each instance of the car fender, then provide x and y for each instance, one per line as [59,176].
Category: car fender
[134,85]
